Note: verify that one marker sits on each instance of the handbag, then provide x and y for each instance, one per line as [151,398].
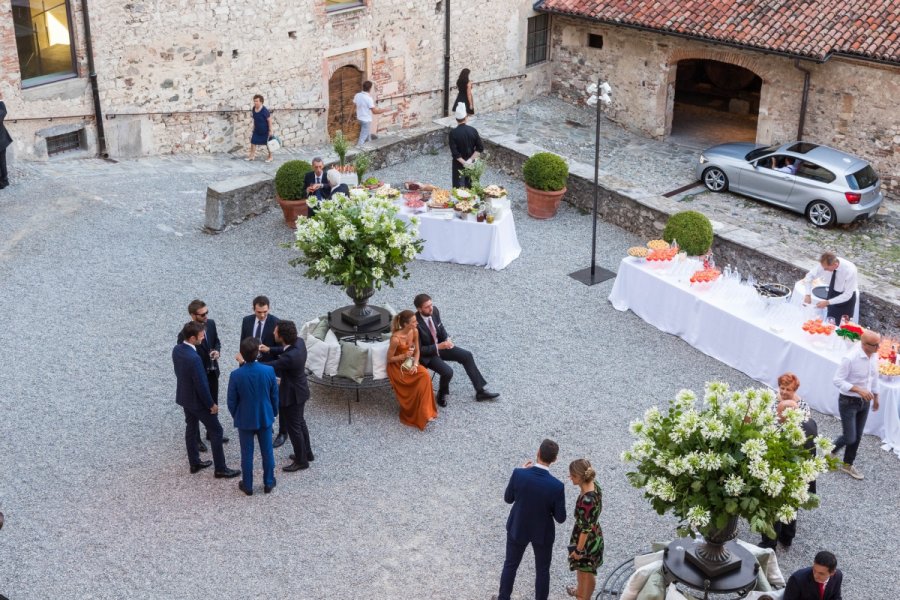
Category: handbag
[409,364]
[273,144]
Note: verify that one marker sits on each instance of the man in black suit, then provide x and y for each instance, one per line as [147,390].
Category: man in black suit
[5,141]
[293,391]
[261,325]
[209,353]
[436,347]
[192,394]
[316,183]
[822,581]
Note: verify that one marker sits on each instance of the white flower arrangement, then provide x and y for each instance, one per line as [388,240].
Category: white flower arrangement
[356,241]
[724,457]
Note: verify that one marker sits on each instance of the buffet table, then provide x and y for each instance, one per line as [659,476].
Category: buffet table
[730,323]
[451,239]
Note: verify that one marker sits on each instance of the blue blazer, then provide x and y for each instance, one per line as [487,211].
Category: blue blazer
[537,498]
[253,396]
[193,387]
[802,586]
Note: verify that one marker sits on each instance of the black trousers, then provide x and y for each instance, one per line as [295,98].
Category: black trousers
[439,365]
[192,419]
[4,174]
[458,179]
[213,378]
[836,311]
[295,426]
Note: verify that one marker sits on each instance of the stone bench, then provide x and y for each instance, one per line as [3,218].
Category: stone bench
[233,200]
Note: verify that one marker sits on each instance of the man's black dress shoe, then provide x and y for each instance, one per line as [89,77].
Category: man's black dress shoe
[442,399]
[295,466]
[227,473]
[486,395]
[245,490]
[195,468]
[268,488]
[280,439]
[201,446]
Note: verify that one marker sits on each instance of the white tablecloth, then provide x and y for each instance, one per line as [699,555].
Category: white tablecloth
[493,245]
[739,331]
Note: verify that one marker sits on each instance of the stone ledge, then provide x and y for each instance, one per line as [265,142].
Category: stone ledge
[231,201]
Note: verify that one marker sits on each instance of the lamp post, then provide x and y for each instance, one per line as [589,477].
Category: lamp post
[599,95]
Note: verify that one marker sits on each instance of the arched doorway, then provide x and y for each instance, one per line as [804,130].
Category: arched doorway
[342,86]
[715,102]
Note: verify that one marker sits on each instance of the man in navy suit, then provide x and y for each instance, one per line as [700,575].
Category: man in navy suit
[5,141]
[209,351]
[537,498]
[822,581]
[261,325]
[192,394]
[253,402]
[436,347]
[290,366]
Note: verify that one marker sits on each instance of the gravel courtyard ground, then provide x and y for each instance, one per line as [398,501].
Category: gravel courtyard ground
[97,264]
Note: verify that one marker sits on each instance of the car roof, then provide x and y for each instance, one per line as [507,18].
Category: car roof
[832,159]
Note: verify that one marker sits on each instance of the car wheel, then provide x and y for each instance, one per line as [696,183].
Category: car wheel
[821,214]
[715,179]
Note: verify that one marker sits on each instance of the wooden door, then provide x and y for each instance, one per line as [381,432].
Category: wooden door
[342,86]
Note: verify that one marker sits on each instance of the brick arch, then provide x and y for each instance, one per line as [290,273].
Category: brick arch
[747,61]
[350,59]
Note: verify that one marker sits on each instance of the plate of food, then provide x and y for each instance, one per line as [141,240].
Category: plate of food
[495,191]
[412,186]
[440,199]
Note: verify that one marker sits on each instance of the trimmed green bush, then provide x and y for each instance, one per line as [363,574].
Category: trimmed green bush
[692,230]
[546,171]
[289,179]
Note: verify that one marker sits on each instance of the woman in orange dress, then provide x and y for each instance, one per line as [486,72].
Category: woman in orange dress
[411,382]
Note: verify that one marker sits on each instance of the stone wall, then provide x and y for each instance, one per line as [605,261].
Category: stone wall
[852,104]
[178,76]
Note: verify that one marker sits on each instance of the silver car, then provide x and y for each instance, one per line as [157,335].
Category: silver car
[827,185]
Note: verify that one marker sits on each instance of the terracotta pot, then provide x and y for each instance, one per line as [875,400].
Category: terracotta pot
[541,204]
[292,209]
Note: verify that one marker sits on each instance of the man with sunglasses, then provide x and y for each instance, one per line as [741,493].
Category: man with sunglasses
[208,350]
[857,379]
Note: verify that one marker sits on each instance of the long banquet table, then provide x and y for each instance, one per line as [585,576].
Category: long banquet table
[450,239]
[739,331]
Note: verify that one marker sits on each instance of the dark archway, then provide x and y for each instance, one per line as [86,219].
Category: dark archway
[715,102]
[342,86]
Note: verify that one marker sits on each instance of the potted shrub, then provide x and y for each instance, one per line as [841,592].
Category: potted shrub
[545,183]
[289,191]
[692,230]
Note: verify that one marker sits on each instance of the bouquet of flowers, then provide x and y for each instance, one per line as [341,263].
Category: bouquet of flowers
[850,331]
[356,241]
[727,457]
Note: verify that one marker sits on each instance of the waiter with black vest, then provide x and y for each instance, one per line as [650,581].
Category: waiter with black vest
[841,276]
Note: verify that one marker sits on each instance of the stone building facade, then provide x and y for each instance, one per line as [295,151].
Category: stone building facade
[176,76]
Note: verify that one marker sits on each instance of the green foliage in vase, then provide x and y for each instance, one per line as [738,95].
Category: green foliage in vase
[356,241]
[474,172]
[725,456]
[289,179]
[362,162]
[340,145]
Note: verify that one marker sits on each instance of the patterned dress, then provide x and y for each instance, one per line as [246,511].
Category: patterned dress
[587,520]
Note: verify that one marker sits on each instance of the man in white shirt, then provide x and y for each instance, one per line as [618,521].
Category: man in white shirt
[857,379]
[841,276]
[365,108]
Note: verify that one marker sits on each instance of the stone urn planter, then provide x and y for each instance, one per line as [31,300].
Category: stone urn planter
[361,314]
[541,204]
[292,209]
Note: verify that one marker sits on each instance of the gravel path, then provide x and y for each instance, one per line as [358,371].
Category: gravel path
[96,273]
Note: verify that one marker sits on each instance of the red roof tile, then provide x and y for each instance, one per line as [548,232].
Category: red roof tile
[806,28]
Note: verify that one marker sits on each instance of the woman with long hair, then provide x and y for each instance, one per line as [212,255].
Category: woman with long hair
[410,380]
[586,543]
[464,93]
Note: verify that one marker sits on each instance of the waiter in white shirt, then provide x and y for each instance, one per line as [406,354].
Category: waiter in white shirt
[841,276]
[857,379]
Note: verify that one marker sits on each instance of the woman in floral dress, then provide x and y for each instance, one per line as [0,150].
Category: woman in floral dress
[586,543]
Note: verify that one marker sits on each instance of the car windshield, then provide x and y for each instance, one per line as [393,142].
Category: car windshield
[754,154]
[862,179]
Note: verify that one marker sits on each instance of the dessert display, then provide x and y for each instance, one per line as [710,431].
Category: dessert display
[817,327]
[638,251]
[657,244]
[707,275]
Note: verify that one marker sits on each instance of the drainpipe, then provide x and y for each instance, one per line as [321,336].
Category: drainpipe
[804,100]
[92,75]
[446,58]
